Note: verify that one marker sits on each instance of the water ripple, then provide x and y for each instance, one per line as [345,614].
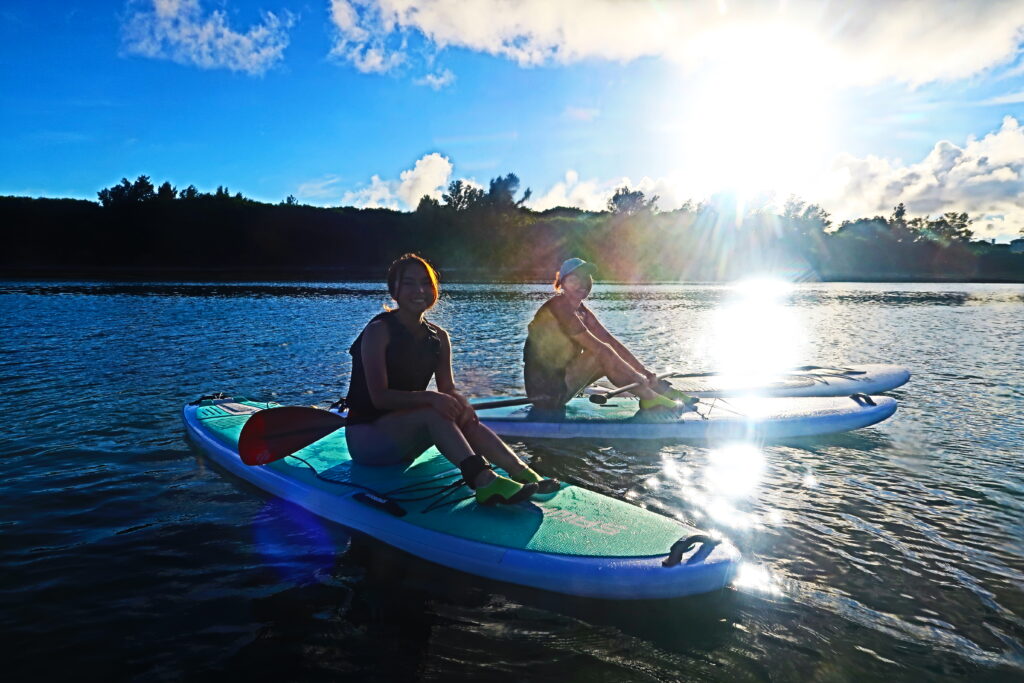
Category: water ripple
[893,552]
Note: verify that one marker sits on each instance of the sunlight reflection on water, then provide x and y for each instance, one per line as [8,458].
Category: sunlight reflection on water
[757,333]
[734,470]
[756,578]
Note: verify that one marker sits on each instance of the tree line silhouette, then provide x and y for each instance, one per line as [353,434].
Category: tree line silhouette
[138,230]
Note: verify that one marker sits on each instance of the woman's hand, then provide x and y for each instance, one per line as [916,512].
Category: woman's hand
[447,405]
[468,416]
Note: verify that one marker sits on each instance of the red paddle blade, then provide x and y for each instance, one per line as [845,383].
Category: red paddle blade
[276,433]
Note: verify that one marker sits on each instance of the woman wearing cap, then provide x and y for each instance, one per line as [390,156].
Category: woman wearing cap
[568,348]
[392,416]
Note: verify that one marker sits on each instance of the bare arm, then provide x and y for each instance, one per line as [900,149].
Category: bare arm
[601,333]
[445,379]
[443,373]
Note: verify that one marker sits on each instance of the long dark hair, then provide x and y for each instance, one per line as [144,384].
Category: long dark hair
[397,269]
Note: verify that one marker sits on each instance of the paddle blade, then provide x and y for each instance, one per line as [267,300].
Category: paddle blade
[276,433]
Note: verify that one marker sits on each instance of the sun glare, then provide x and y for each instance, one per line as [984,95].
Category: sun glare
[757,335]
[759,121]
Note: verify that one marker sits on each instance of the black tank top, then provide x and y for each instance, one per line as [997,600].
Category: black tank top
[410,365]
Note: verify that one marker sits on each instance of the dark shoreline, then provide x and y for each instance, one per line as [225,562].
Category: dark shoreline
[218,238]
[462,276]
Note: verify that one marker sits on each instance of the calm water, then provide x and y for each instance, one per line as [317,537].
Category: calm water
[896,552]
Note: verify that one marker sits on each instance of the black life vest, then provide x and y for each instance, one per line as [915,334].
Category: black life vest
[410,365]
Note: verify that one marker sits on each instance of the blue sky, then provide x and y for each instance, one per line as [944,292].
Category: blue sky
[855,106]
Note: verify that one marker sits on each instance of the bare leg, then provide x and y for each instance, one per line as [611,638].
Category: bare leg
[588,367]
[488,444]
[404,435]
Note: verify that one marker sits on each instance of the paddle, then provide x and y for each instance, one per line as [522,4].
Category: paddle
[276,433]
[601,399]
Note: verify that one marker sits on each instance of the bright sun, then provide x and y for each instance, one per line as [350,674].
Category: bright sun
[761,115]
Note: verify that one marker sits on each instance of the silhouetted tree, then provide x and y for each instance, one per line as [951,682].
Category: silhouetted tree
[863,228]
[484,231]
[126,192]
[462,196]
[805,219]
[166,192]
[427,204]
[952,227]
[899,227]
[502,195]
[629,202]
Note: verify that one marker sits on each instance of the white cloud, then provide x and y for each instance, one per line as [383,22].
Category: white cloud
[364,38]
[1010,98]
[590,195]
[429,176]
[180,31]
[441,79]
[323,188]
[912,41]
[379,195]
[983,177]
[593,195]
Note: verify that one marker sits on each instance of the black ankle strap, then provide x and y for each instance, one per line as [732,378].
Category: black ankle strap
[471,467]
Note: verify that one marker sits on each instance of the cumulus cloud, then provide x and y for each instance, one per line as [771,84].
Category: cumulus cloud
[180,31]
[429,176]
[590,195]
[380,194]
[593,195]
[983,177]
[912,41]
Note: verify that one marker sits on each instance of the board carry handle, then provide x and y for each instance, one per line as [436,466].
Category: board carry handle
[675,553]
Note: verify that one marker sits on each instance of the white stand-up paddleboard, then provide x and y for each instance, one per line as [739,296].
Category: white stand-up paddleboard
[711,420]
[809,380]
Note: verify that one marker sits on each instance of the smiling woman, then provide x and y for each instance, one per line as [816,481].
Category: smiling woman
[760,117]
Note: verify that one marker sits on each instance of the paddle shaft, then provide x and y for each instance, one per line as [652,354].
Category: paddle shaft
[505,403]
[601,399]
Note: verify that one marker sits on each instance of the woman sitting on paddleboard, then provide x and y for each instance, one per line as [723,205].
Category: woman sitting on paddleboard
[392,416]
[568,348]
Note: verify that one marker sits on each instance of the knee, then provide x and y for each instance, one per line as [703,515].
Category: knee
[432,418]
